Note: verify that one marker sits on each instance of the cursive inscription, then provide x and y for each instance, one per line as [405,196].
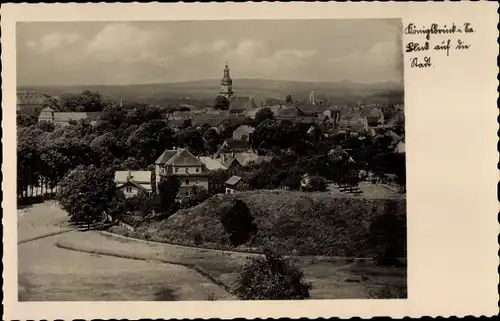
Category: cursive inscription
[436,38]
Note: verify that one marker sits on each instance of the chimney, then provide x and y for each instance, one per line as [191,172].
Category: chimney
[129,177]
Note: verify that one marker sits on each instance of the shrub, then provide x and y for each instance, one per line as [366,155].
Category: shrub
[386,235]
[271,278]
[239,223]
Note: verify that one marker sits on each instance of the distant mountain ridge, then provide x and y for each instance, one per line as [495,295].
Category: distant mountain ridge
[209,88]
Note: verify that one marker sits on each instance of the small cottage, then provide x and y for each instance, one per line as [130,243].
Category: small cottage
[243,133]
[233,184]
[133,182]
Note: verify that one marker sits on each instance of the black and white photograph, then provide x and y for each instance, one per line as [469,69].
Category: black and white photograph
[211,160]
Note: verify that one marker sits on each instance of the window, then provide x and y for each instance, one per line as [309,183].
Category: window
[176,169]
[187,181]
[162,170]
[129,189]
[197,169]
[197,182]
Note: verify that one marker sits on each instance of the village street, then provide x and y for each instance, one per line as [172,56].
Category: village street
[50,273]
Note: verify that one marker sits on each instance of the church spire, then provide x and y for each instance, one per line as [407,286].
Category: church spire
[226,83]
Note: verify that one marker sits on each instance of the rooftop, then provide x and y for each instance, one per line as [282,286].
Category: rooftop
[233,180]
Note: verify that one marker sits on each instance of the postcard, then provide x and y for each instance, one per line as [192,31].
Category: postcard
[254,160]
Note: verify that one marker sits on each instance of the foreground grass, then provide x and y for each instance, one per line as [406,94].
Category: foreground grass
[331,278]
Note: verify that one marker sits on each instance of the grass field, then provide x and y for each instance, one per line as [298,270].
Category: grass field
[331,278]
[48,273]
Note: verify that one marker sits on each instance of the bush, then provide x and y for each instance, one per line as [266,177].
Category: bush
[271,278]
[387,232]
[239,223]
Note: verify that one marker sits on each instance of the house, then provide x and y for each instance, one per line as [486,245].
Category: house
[133,182]
[216,123]
[233,184]
[252,112]
[212,164]
[234,146]
[30,102]
[400,147]
[238,105]
[312,110]
[242,133]
[245,158]
[398,120]
[352,121]
[63,118]
[374,116]
[187,167]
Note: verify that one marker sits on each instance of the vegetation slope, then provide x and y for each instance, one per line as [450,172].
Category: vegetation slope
[294,223]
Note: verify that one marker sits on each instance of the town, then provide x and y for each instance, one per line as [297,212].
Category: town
[209,177]
[211,160]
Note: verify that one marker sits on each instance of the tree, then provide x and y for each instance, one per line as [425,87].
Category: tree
[271,278]
[263,114]
[221,102]
[191,139]
[85,193]
[217,180]
[387,236]
[150,140]
[212,140]
[25,120]
[196,196]
[239,223]
[164,203]
[87,101]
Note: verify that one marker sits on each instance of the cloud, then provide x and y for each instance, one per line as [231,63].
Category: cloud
[195,49]
[52,41]
[128,44]
[379,55]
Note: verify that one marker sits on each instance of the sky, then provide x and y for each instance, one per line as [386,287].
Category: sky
[121,53]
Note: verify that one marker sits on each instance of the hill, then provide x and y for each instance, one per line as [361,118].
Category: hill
[291,222]
[261,89]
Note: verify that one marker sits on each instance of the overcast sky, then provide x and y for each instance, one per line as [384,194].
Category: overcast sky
[119,53]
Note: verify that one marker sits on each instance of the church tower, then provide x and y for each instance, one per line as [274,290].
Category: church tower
[313,98]
[226,84]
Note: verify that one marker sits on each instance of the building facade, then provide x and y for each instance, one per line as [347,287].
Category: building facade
[131,183]
[226,84]
[185,166]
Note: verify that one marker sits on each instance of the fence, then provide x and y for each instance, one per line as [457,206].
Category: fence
[37,191]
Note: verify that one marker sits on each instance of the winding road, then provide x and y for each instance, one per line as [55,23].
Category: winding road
[50,273]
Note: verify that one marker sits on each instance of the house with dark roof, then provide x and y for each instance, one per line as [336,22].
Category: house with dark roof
[187,167]
[233,184]
[309,109]
[63,118]
[234,146]
[131,183]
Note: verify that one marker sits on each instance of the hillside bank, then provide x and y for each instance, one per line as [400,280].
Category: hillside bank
[293,223]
